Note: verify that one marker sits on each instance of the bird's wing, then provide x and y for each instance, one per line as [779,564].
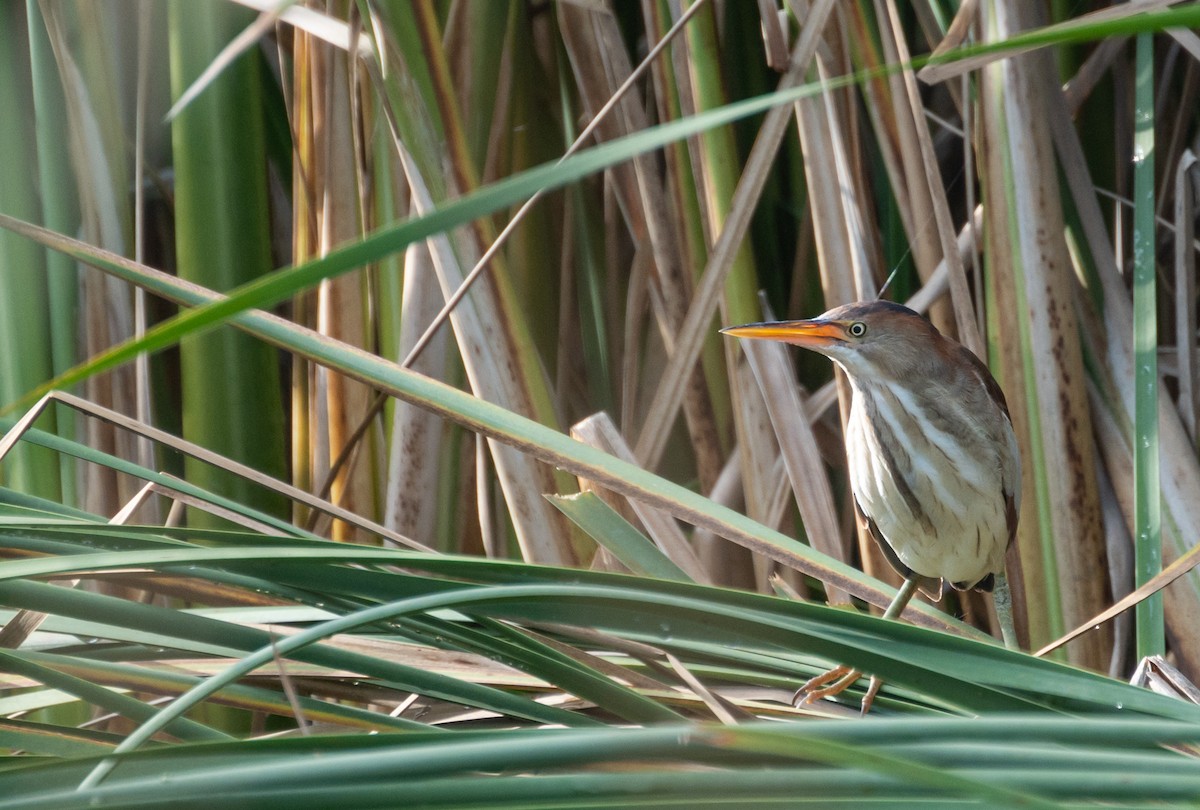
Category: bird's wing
[1011,459]
[985,376]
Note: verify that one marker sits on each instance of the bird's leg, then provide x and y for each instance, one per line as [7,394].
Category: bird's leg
[1002,599]
[902,598]
[841,678]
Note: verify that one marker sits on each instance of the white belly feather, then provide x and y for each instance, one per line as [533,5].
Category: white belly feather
[947,516]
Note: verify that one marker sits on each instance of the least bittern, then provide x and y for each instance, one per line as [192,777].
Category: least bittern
[933,460]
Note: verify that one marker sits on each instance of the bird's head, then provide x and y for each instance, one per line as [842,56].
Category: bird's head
[869,339]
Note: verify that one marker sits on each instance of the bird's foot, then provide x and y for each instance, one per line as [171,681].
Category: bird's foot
[834,682]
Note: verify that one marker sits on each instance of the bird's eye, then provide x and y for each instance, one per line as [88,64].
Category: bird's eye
[857,329]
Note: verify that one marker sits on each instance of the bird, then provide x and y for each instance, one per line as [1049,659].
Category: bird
[933,461]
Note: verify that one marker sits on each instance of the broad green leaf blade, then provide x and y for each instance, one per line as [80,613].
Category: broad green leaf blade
[55,741]
[1147,495]
[108,699]
[617,535]
[688,765]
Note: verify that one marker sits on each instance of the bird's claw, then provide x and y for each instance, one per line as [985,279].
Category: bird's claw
[834,682]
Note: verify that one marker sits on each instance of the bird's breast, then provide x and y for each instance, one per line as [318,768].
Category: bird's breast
[930,473]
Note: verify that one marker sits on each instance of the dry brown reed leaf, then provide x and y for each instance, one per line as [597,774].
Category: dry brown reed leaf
[486,350]
[845,271]
[1050,404]
[805,469]
[601,66]
[335,186]
[933,189]
[417,450]
[598,430]
[1185,293]
[661,413]
[1108,338]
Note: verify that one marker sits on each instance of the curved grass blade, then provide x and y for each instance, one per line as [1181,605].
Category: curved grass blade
[618,535]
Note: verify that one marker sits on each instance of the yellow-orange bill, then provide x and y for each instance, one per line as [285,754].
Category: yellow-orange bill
[791,331]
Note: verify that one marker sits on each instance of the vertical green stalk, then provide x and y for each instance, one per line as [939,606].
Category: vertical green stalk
[722,166]
[60,212]
[231,391]
[25,341]
[1148,528]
